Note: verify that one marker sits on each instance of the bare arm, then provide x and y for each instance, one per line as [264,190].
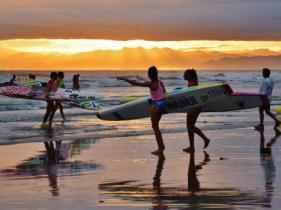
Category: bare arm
[135,83]
[164,89]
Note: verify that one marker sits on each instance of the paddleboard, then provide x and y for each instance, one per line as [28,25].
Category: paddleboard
[236,101]
[175,101]
[88,105]
[29,83]
[40,94]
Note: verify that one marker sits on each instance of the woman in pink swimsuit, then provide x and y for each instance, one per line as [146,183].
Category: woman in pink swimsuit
[157,92]
[51,86]
[192,114]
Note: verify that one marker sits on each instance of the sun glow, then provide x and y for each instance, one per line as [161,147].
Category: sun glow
[74,46]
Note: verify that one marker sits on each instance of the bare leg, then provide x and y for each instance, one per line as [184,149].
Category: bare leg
[270,114]
[260,126]
[155,118]
[49,108]
[61,110]
[203,136]
[52,114]
[191,119]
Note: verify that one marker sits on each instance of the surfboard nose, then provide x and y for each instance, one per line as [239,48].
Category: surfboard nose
[227,88]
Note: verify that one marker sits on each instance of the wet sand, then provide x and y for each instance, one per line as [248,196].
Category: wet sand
[236,172]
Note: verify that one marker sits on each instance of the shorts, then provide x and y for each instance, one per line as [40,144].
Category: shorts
[265,107]
[160,104]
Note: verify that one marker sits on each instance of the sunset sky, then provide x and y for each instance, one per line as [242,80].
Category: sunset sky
[134,34]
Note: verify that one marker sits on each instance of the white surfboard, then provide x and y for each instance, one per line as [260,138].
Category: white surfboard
[40,94]
[175,101]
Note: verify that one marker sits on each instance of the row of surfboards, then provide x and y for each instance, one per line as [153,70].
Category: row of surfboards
[207,97]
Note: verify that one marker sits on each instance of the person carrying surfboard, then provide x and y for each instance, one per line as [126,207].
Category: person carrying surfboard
[51,86]
[157,92]
[192,114]
[75,82]
[58,105]
[266,89]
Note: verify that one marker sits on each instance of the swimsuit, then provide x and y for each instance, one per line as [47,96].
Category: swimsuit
[157,97]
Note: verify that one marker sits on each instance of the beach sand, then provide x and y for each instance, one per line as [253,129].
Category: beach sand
[120,173]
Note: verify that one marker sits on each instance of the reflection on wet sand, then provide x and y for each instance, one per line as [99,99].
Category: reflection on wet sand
[193,182]
[192,196]
[267,164]
[157,200]
[54,163]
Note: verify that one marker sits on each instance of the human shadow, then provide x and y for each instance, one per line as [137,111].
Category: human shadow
[157,199]
[267,163]
[52,151]
[193,182]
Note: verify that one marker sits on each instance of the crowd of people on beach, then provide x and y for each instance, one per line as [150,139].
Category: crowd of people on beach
[157,93]
[56,81]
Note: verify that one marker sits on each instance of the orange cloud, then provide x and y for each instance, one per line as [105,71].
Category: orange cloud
[131,59]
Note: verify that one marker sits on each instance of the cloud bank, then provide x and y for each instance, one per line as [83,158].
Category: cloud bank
[142,19]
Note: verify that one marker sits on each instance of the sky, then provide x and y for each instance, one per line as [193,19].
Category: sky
[37,29]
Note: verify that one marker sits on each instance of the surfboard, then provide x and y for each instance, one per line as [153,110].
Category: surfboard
[40,94]
[88,105]
[175,101]
[233,102]
[277,109]
[236,101]
[29,83]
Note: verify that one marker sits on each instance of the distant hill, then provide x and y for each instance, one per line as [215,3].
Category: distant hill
[245,62]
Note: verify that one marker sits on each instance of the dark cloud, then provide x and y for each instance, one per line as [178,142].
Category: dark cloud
[142,19]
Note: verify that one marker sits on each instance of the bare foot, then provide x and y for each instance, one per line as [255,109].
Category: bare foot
[158,152]
[189,150]
[207,142]
[259,127]
[206,156]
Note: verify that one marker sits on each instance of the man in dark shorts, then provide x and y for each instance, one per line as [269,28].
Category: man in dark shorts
[266,89]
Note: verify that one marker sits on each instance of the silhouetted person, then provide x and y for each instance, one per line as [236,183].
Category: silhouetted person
[58,104]
[51,87]
[266,89]
[193,113]
[76,82]
[12,80]
[157,93]
[32,76]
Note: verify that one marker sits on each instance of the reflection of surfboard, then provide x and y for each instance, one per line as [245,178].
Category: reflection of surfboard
[175,101]
[40,94]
